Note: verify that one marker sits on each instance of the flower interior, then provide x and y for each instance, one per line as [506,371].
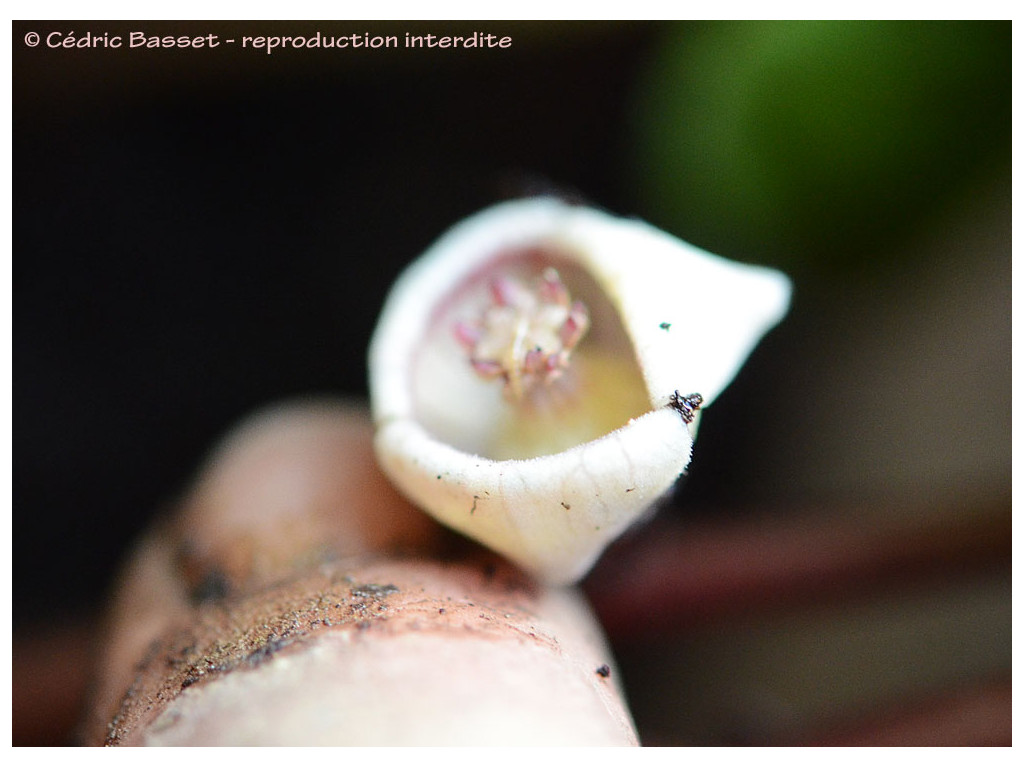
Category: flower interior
[526,335]
[527,357]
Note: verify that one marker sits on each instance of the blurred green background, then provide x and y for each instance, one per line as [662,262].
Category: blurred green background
[815,145]
[198,234]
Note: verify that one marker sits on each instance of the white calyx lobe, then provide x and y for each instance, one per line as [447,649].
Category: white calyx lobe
[532,374]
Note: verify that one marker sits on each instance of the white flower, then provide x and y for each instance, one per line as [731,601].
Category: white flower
[533,375]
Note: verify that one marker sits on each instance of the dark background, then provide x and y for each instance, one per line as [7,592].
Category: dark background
[199,233]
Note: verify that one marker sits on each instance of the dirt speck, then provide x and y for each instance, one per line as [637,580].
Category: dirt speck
[265,651]
[375,591]
[604,670]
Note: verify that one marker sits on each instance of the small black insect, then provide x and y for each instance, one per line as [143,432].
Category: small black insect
[686,405]
[665,326]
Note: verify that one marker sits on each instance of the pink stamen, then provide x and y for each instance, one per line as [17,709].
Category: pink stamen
[552,290]
[504,292]
[534,361]
[575,325]
[489,369]
[467,335]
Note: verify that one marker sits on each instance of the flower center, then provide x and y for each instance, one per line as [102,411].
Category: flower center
[526,334]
